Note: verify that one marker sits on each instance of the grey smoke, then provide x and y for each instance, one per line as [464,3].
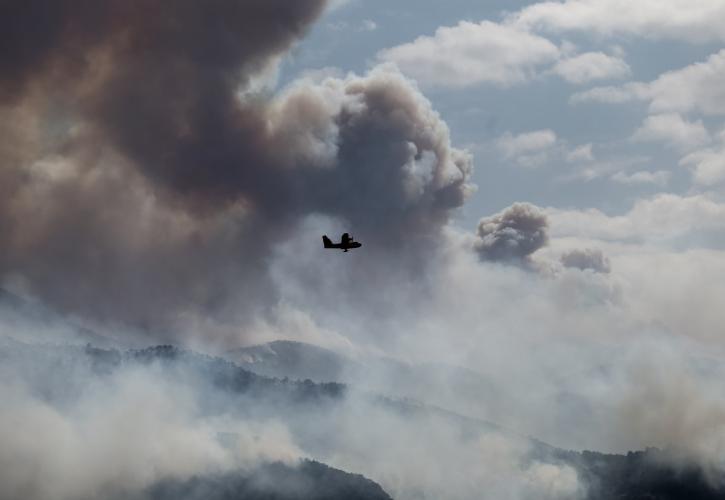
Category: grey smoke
[69,430]
[87,423]
[145,182]
[587,258]
[512,234]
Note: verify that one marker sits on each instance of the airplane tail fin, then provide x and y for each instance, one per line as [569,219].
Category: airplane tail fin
[326,241]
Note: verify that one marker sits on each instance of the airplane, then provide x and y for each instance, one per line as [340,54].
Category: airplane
[346,243]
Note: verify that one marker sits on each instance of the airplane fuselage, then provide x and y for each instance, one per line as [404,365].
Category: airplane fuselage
[345,248]
[346,244]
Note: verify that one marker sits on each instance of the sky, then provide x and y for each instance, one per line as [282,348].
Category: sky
[538,188]
[627,151]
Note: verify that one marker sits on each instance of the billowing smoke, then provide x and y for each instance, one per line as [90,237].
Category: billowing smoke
[512,234]
[587,258]
[88,423]
[69,430]
[144,180]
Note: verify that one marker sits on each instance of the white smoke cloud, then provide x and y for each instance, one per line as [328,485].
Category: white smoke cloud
[120,435]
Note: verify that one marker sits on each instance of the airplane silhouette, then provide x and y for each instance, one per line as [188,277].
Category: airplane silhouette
[345,244]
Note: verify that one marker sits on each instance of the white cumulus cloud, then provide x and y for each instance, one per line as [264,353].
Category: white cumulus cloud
[581,153]
[708,164]
[529,149]
[694,21]
[664,217]
[527,142]
[695,88]
[657,178]
[591,66]
[473,53]
[674,130]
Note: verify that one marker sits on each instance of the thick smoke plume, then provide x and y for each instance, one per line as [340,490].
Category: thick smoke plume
[512,234]
[143,180]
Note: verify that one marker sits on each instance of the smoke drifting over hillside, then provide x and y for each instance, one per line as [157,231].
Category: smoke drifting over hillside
[141,167]
[108,424]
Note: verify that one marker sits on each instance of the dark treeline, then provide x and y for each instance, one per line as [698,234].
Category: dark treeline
[309,481]
[641,475]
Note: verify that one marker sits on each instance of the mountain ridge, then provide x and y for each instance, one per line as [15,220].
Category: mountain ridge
[635,476]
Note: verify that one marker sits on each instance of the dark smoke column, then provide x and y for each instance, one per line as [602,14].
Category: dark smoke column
[146,184]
